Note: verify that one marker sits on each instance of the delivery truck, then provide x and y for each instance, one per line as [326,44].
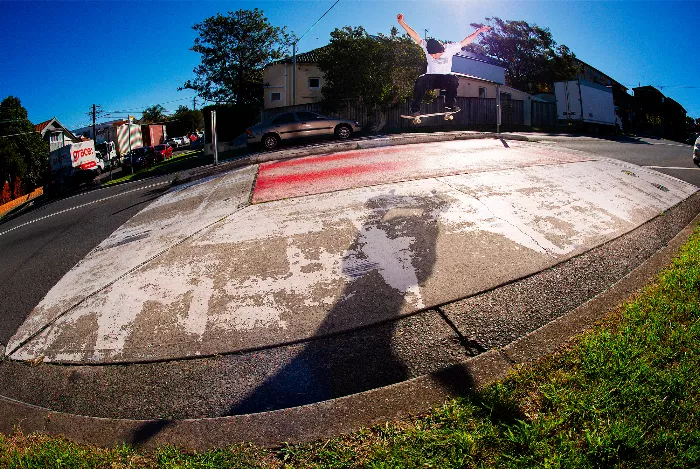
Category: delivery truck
[586,105]
[74,164]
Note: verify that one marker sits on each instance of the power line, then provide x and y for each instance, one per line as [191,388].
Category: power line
[312,26]
[667,86]
[13,135]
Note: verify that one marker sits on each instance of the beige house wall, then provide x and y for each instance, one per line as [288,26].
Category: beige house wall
[278,79]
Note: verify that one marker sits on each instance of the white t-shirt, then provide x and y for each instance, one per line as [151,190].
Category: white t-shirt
[443,65]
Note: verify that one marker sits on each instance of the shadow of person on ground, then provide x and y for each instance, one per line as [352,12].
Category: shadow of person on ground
[404,230]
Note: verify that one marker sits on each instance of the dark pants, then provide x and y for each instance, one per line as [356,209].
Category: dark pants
[424,83]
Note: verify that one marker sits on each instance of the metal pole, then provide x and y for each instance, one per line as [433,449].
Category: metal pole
[294,74]
[131,158]
[214,138]
[498,109]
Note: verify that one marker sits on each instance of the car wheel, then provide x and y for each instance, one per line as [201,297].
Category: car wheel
[270,141]
[343,132]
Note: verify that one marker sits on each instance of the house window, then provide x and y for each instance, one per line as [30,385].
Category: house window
[276,96]
[482,92]
[314,83]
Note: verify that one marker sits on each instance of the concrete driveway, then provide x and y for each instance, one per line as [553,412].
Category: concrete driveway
[290,251]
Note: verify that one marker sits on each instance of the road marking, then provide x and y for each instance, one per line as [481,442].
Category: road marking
[669,144]
[84,205]
[670,167]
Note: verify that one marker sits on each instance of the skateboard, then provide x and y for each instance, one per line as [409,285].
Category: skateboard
[417,119]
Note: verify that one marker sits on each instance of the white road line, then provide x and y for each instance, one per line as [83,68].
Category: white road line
[84,205]
[670,167]
[670,144]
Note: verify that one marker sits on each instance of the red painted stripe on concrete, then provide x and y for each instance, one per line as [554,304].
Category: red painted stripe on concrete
[264,182]
[329,158]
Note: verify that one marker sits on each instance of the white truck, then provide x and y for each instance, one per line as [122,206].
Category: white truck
[585,104]
[75,162]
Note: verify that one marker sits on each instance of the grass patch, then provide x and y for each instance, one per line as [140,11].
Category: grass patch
[624,394]
[180,162]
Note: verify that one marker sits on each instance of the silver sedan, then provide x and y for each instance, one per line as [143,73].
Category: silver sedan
[299,124]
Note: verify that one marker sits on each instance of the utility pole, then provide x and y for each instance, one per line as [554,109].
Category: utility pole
[94,123]
[93,113]
[425,35]
[294,55]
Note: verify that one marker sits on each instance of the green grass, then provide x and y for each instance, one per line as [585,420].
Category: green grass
[177,163]
[624,394]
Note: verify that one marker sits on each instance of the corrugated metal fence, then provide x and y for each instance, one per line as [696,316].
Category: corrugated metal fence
[475,112]
[543,114]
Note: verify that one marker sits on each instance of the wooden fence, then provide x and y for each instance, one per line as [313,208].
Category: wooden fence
[476,112]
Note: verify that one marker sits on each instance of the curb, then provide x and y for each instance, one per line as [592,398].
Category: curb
[346,414]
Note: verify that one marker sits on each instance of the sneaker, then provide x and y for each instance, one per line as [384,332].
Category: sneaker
[452,109]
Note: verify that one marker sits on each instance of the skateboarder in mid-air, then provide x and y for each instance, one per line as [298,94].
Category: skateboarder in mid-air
[439,73]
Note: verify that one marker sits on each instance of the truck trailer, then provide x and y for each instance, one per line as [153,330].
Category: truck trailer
[153,134]
[127,138]
[586,105]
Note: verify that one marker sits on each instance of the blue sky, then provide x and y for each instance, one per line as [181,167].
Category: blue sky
[60,57]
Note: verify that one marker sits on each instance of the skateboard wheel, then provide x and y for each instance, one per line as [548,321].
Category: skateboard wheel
[451,117]
[416,121]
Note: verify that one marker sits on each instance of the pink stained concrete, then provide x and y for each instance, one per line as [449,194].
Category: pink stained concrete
[361,168]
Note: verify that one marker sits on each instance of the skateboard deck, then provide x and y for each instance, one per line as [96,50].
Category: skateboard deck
[417,119]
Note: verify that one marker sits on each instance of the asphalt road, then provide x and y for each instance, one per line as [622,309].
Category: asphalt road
[38,247]
[672,158]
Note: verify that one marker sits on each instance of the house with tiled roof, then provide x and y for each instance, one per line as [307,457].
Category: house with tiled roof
[55,134]
[278,77]
[479,77]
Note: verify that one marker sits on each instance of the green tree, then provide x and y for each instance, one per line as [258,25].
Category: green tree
[234,51]
[531,57]
[153,114]
[23,153]
[379,71]
[184,121]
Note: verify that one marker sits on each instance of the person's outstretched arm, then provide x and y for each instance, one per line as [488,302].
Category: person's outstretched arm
[469,39]
[414,35]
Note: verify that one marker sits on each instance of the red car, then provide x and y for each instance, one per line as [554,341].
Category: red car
[163,152]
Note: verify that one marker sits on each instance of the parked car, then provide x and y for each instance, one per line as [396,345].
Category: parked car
[174,142]
[185,140]
[163,152]
[139,158]
[299,124]
[696,152]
